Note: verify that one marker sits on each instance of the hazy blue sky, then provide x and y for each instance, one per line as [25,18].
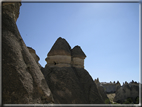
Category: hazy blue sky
[108,33]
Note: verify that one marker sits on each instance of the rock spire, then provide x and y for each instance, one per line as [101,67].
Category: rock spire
[61,55]
[77,52]
[60,47]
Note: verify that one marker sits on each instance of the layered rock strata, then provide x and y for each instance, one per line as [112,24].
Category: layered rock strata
[69,84]
[61,55]
[22,80]
[78,57]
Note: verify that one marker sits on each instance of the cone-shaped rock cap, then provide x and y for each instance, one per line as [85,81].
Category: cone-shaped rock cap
[60,47]
[77,52]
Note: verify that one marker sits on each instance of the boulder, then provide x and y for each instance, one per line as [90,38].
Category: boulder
[22,80]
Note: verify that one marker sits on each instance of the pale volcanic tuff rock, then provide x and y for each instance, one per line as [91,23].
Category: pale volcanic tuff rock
[130,90]
[108,87]
[69,84]
[22,80]
[60,54]
[78,57]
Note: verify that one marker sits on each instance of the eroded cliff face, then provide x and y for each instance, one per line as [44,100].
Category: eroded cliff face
[22,80]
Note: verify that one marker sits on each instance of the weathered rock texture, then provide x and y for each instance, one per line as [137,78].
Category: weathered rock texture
[60,47]
[61,55]
[101,90]
[35,56]
[59,61]
[78,57]
[68,84]
[33,53]
[22,80]
[108,87]
[130,90]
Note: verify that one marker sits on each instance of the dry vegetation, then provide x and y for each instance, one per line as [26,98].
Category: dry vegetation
[111,97]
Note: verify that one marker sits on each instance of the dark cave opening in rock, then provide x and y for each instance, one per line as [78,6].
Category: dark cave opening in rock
[55,63]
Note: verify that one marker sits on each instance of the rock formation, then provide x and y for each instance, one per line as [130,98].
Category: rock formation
[22,80]
[33,53]
[69,82]
[130,90]
[101,90]
[108,87]
[60,54]
[78,57]
[35,56]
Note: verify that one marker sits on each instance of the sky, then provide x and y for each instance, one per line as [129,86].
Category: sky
[108,34]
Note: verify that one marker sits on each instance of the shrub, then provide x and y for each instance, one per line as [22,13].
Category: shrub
[107,101]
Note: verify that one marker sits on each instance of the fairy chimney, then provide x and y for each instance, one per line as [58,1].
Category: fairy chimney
[78,57]
[60,54]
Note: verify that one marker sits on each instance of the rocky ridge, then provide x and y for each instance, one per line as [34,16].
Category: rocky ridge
[127,93]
